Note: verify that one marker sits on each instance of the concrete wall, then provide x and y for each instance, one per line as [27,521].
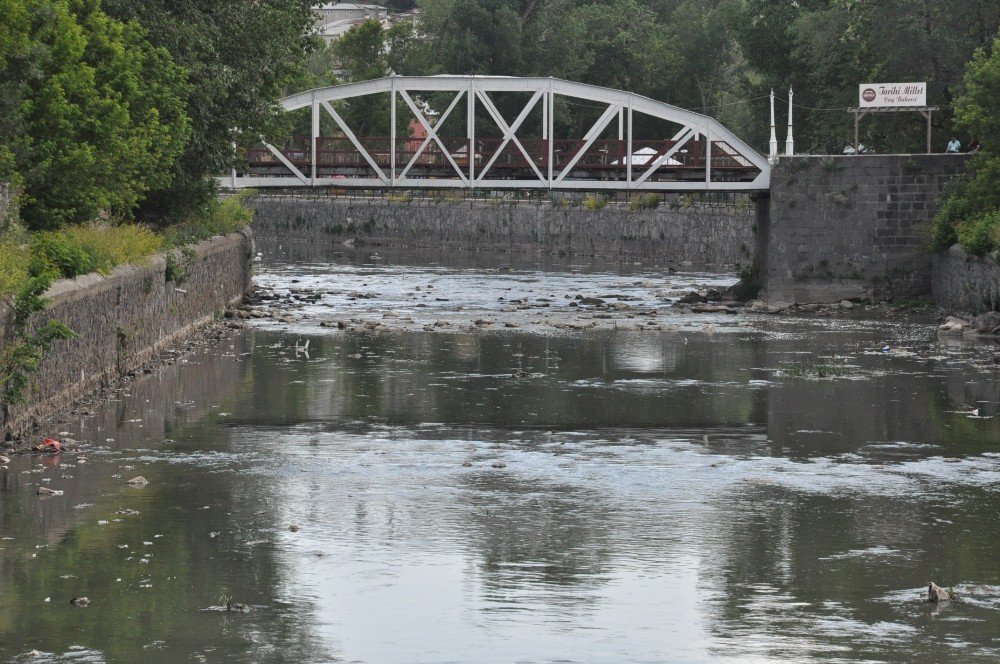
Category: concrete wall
[961,283]
[853,227]
[708,234]
[121,319]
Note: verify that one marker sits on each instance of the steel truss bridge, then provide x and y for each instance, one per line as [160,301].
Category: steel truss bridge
[688,151]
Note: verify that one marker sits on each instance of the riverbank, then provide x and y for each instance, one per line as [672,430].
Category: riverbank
[123,319]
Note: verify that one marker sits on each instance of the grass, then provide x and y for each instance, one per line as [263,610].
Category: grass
[101,247]
[13,269]
[77,250]
[218,218]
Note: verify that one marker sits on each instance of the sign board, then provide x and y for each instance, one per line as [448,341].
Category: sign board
[892,95]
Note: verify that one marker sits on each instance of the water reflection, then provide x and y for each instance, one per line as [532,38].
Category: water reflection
[608,496]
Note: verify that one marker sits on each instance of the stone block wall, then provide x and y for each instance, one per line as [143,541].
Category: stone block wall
[121,319]
[853,226]
[718,233]
[965,284]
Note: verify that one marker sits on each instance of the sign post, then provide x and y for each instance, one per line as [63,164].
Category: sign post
[892,95]
[892,98]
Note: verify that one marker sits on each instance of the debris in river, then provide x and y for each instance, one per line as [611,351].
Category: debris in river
[936,593]
[48,446]
[229,607]
[138,482]
[953,325]
[988,323]
[293,528]
[46,491]
[499,464]
[79,601]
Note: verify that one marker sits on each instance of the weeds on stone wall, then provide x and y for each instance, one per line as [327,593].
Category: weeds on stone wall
[648,201]
[23,353]
[750,284]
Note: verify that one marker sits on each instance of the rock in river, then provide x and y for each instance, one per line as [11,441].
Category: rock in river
[936,593]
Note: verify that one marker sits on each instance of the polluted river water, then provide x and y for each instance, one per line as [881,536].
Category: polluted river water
[473,470]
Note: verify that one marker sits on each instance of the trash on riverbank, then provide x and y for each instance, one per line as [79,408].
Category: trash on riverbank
[48,446]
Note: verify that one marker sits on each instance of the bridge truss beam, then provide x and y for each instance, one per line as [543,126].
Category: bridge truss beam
[720,144]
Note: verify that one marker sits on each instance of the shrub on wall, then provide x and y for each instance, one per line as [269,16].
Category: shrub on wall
[970,210]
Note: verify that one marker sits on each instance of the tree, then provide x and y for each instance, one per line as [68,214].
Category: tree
[97,114]
[970,211]
[240,57]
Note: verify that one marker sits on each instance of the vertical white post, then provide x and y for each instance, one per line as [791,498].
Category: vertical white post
[545,117]
[552,128]
[315,139]
[621,123]
[470,129]
[392,133]
[708,154]
[628,150]
[773,145]
[790,141]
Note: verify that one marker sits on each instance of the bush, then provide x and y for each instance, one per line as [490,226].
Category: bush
[100,248]
[979,234]
[217,218]
[648,201]
[750,283]
[13,269]
[54,250]
[595,202]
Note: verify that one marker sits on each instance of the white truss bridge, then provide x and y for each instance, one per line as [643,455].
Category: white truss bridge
[635,144]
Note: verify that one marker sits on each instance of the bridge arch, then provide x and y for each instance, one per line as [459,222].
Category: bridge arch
[699,155]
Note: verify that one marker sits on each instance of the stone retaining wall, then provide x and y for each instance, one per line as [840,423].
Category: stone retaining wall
[718,233]
[121,319]
[853,227]
[966,284]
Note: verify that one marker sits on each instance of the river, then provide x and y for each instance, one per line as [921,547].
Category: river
[656,486]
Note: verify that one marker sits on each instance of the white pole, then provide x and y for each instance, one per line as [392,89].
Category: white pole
[470,129]
[790,141]
[545,117]
[773,145]
[552,129]
[392,132]
[315,137]
[628,149]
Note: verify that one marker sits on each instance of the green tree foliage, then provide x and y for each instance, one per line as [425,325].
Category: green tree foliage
[825,48]
[240,57]
[368,51]
[92,113]
[717,55]
[970,212]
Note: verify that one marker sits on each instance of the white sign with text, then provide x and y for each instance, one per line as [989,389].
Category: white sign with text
[872,95]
